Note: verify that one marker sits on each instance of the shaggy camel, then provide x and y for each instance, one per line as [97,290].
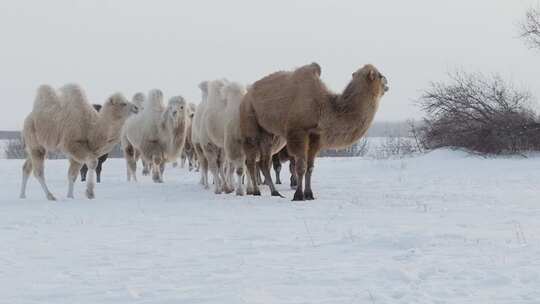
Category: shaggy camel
[158,134]
[138,100]
[297,106]
[189,151]
[234,153]
[196,129]
[101,159]
[67,122]
[212,135]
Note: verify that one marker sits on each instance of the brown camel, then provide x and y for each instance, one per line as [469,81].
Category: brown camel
[298,107]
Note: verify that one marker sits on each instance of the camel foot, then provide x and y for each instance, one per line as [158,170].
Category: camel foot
[298,196]
[90,194]
[51,197]
[308,195]
[276,193]
[239,192]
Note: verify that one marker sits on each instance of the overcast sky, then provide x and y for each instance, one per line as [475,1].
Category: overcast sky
[131,46]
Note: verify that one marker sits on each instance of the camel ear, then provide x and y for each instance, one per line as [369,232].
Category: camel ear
[317,68]
[372,75]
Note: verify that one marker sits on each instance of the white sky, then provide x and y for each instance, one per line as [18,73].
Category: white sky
[131,46]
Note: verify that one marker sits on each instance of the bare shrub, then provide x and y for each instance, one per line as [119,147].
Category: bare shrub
[14,149]
[395,146]
[358,149]
[479,113]
[530,27]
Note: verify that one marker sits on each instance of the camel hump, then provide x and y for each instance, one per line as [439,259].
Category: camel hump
[45,96]
[232,88]
[73,93]
[312,68]
[204,86]
[214,91]
[154,102]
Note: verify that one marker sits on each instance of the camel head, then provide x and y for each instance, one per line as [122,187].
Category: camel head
[372,78]
[138,100]
[177,109]
[118,107]
[191,110]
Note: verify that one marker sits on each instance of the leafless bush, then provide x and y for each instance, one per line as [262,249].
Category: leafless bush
[14,149]
[415,132]
[395,146]
[530,27]
[360,148]
[479,113]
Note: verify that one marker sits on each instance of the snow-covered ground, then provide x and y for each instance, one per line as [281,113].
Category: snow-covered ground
[440,228]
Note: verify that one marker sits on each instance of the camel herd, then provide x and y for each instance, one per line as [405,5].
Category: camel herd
[234,133]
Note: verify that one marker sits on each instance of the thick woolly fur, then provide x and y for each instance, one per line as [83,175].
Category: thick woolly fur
[157,134]
[189,150]
[298,107]
[65,121]
[234,153]
[212,133]
[196,129]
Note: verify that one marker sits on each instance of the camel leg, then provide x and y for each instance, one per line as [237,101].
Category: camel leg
[258,174]
[73,172]
[131,163]
[297,144]
[251,151]
[161,171]
[253,187]
[239,169]
[145,165]
[90,179]
[84,171]
[131,169]
[183,161]
[265,163]
[224,171]
[314,147]
[26,171]
[292,166]
[211,153]
[265,168]
[276,163]
[38,164]
[98,171]
[203,164]
[146,168]
[156,169]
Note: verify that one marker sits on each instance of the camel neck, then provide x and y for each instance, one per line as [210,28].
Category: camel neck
[346,117]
